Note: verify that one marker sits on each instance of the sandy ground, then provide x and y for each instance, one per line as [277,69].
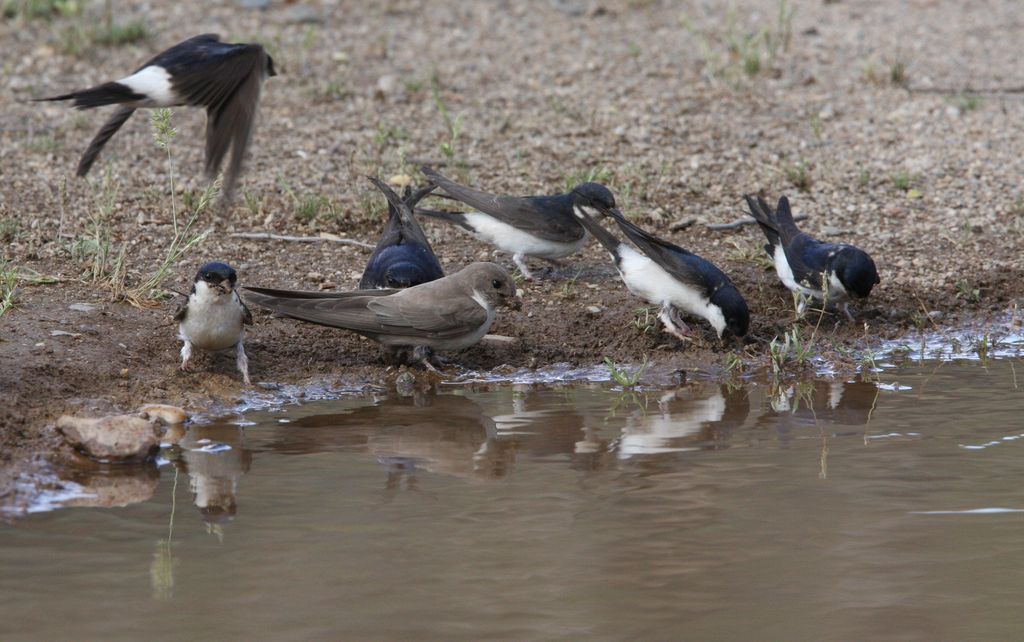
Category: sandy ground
[680,107]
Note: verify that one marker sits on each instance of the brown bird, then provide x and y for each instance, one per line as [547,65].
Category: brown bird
[451,313]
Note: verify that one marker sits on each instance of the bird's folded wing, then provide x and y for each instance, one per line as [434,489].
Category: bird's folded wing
[685,266]
[307,294]
[530,214]
[441,318]
[808,259]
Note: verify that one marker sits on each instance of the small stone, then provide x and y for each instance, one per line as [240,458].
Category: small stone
[594,310]
[82,307]
[165,413]
[268,385]
[400,180]
[260,5]
[112,439]
[388,84]
[303,14]
[63,333]
[328,285]
[123,373]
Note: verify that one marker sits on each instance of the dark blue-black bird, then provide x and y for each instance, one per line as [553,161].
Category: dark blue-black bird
[538,226]
[202,71]
[805,265]
[672,278]
[403,256]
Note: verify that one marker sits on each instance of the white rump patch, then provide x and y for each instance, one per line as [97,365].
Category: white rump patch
[515,241]
[155,83]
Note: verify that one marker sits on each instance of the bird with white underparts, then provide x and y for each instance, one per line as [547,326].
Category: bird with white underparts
[403,256]
[451,313]
[224,78]
[525,226]
[213,318]
[832,273]
[671,278]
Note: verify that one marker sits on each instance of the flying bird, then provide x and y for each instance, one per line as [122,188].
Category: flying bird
[675,280]
[213,318]
[828,272]
[537,226]
[451,313]
[224,78]
[403,256]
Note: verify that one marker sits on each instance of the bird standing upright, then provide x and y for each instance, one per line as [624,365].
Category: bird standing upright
[213,318]
[672,278]
[538,226]
[202,71]
[828,272]
[403,256]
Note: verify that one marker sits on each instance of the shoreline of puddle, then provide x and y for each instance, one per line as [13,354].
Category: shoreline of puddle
[52,485]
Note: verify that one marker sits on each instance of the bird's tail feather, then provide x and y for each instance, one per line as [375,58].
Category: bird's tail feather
[603,236]
[304,294]
[102,136]
[453,217]
[765,218]
[109,93]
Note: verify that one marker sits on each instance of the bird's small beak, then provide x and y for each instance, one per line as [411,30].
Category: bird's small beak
[222,286]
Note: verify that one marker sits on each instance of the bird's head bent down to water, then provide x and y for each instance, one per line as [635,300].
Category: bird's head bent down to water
[491,283]
[594,199]
[217,277]
[734,309]
[856,271]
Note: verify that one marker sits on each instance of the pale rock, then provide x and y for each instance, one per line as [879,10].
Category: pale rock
[113,439]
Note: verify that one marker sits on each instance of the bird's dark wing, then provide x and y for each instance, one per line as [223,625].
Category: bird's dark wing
[765,220]
[181,312]
[603,236]
[230,118]
[685,266]
[784,222]
[185,52]
[109,128]
[224,78]
[246,313]
[546,217]
[809,258]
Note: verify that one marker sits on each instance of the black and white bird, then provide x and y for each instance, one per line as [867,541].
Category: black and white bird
[675,280]
[537,226]
[403,256]
[202,71]
[214,317]
[451,313]
[829,272]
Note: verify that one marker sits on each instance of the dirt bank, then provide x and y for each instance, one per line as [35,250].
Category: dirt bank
[678,107]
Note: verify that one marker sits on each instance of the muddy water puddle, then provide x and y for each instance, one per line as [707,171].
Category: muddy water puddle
[828,509]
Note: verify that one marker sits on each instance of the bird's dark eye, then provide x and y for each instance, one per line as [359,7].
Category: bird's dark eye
[208,276]
[496,283]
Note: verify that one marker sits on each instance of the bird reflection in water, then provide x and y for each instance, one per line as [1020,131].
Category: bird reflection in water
[698,417]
